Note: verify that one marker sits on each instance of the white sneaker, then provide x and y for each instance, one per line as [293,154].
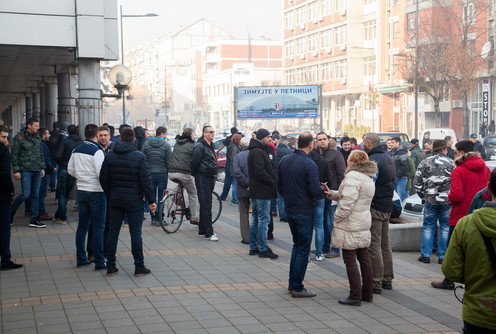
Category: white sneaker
[213,237]
[319,258]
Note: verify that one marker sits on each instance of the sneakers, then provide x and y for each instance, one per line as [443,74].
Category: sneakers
[140,272]
[36,224]
[444,284]
[10,266]
[112,271]
[234,203]
[59,221]
[213,237]
[255,251]
[319,258]
[424,259]
[331,255]
[45,216]
[103,267]
[302,294]
[84,264]
[351,302]
[268,254]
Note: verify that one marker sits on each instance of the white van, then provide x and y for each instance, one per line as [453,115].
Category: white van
[438,133]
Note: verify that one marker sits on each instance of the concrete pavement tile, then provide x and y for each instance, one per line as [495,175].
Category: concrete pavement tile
[191,331]
[379,329]
[435,327]
[235,313]
[123,330]
[249,329]
[171,318]
[393,320]
[214,323]
[350,330]
[407,328]
[307,325]
[50,329]
[420,319]
[114,315]
[147,312]
[207,315]
[85,325]
[285,326]
[20,330]
[122,322]
[226,330]
[148,320]
[237,321]
[18,324]
[185,325]
[158,327]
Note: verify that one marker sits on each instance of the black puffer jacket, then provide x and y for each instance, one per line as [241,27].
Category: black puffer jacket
[384,185]
[322,166]
[400,157]
[6,185]
[336,164]
[139,133]
[158,154]
[261,171]
[181,156]
[204,160]
[65,149]
[125,175]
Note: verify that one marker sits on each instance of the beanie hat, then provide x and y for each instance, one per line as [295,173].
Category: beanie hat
[262,133]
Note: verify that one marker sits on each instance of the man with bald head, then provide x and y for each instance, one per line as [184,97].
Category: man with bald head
[381,207]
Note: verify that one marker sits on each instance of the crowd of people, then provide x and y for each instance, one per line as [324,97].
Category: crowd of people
[342,198]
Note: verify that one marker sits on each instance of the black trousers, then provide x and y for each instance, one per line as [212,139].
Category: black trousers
[205,186]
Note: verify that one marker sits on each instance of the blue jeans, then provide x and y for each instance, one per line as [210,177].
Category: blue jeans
[433,213]
[318,221]
[281,207]
[65,183]
[5,233]
[259,224]
[227,182]
[30,183]
[301,228]
[43,193]
[159,182]
[400,185]
[329,211]
[234,191]
[92,207]
[134,213]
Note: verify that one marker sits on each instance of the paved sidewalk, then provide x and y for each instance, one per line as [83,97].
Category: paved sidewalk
[199,286]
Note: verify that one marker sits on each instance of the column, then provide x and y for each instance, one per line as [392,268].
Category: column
[90,102]
[66,84]
[50,102]
[42,104]
[36,105]
[29,106]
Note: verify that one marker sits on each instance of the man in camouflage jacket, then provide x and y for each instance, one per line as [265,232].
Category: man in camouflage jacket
[432,184]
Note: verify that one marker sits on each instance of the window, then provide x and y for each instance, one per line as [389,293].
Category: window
[312,11]
[369,66]
[411,21]
[313,73]
[326,71]
[326,7]
[299,78]
[340,5]
[369,2]
[289,77]
[340,69]
[369,31]
[326,38]
[300,45]
[340,35]
[300,15]
[492,7]
[289,20]
[313,42]
[469,12]
[289,48]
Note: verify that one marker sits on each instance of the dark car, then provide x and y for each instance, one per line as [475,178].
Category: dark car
[490,146]
[221,151]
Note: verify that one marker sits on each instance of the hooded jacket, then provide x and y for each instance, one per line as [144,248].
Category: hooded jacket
[180,161]
[125,175]
[400,157]
[469,176]
[27,153]
[384,184]
[65,149]
[158,154]
[261,171]
[240,167]
[432,179]
[204,159]
[6,184]
[352,219]
[139,133]
[467,261]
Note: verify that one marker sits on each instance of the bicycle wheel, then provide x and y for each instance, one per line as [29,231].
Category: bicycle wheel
[172,214]
[216,207]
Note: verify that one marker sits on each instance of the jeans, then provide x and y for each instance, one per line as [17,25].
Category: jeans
[281,207]
[234,191]
[92,207]
[205,185]
[227,182]
[5,233]
[329,211]
[134,211]
[360,285]
[159,183]
[401,190]
[380,248]
[30,183]
[433,213]
[65,183]
[259,224]
[53,176]
[43,193]
[318,221]
[301,228]
[273,206]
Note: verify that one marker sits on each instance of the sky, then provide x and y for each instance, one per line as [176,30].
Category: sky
[238,17]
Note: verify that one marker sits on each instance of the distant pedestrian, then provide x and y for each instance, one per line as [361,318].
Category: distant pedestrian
[491,128]
[400,158]
[45,180]
[345,148]
[449,143]
[417,155]
[240,168]
[478,147]
[233,149]
[282,150]
[228,176]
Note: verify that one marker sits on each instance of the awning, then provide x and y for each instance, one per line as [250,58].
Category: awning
[394,89]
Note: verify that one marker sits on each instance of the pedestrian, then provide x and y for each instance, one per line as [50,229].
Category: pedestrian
[28,166]
[45,180]
[380,210]
[491,128]
[471,260]
[352,224]
[233,148]
[299,184]
[400,158]
[282,150]
[53,143]
[262,188]
[470,175]
[483,129]
[345,148]
[416,153]
[139,133]
[204,169]
[449,143]
[126,180]
[241,174]
[158,153]
[228,176]
[432,184]
[6,195]
[180,169]
[478,147]
[85,165]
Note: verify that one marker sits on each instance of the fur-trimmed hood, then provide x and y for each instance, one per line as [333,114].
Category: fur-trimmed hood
[472,160]
[367,167]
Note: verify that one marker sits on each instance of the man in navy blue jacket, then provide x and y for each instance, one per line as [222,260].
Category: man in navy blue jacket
[299,184]
[125,178]
[45,180]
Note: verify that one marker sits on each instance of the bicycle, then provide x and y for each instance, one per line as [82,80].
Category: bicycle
[174,208]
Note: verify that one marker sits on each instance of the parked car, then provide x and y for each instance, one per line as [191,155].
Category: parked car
[490,145]
[221,151]
[384,136]
[438,133]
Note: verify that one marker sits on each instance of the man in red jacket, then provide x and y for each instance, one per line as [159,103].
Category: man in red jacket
[470,175]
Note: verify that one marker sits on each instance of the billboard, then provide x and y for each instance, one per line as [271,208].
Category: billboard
[277,102]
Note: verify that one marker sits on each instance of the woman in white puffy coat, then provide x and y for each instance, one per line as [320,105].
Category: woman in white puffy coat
[352,220]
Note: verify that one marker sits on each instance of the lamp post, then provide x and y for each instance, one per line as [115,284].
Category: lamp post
[122,57]
[415,78]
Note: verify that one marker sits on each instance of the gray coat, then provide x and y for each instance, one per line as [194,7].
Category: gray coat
[158,154]
[232,150]
[240,166]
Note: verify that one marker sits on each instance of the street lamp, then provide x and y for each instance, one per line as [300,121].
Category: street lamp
[122,57]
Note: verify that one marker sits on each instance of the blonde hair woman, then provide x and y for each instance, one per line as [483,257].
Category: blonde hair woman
[352,221]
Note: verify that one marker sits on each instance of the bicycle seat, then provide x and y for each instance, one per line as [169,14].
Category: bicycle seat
[176,181]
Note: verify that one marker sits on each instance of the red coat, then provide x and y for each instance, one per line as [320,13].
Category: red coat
[469,176]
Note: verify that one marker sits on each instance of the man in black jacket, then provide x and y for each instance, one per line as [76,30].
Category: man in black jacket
[125,179]
[262,188]
[381,207]
[478,147]
[281,151]
[400,158]
[204,169]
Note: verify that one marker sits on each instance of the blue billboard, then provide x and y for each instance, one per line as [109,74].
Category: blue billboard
[277,102]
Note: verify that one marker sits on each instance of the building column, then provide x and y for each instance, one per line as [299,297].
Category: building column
[90,100]
[36,105]
[50,102]
[29,106]
[42,104]
[66,84]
